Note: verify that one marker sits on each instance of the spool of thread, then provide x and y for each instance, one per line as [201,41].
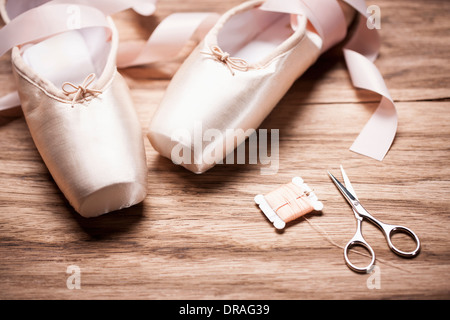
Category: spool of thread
[288,202]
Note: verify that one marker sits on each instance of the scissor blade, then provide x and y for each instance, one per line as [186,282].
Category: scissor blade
[347,194]
[348,185]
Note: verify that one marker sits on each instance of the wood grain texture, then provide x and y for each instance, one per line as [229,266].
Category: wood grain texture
[202,237]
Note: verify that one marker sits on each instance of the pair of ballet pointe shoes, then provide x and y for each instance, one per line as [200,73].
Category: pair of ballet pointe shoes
[82,119]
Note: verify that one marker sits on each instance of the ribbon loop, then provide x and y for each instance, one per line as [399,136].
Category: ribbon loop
[360,52]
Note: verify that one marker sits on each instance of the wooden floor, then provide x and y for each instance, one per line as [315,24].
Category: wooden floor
[202,236]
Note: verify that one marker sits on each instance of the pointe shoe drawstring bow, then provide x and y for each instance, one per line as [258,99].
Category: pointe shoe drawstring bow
[231,62]
[82,89]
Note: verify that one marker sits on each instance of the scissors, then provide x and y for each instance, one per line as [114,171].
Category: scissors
[361,214]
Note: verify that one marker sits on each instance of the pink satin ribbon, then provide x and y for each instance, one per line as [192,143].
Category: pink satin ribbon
[167,40]
[44,21]
[108,7]
[377,136]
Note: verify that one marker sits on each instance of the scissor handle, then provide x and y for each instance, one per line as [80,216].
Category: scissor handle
[353,243]
[358,240]
[389,230]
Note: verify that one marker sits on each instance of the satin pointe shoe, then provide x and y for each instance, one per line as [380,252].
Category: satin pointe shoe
[232,80]
[77,106]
